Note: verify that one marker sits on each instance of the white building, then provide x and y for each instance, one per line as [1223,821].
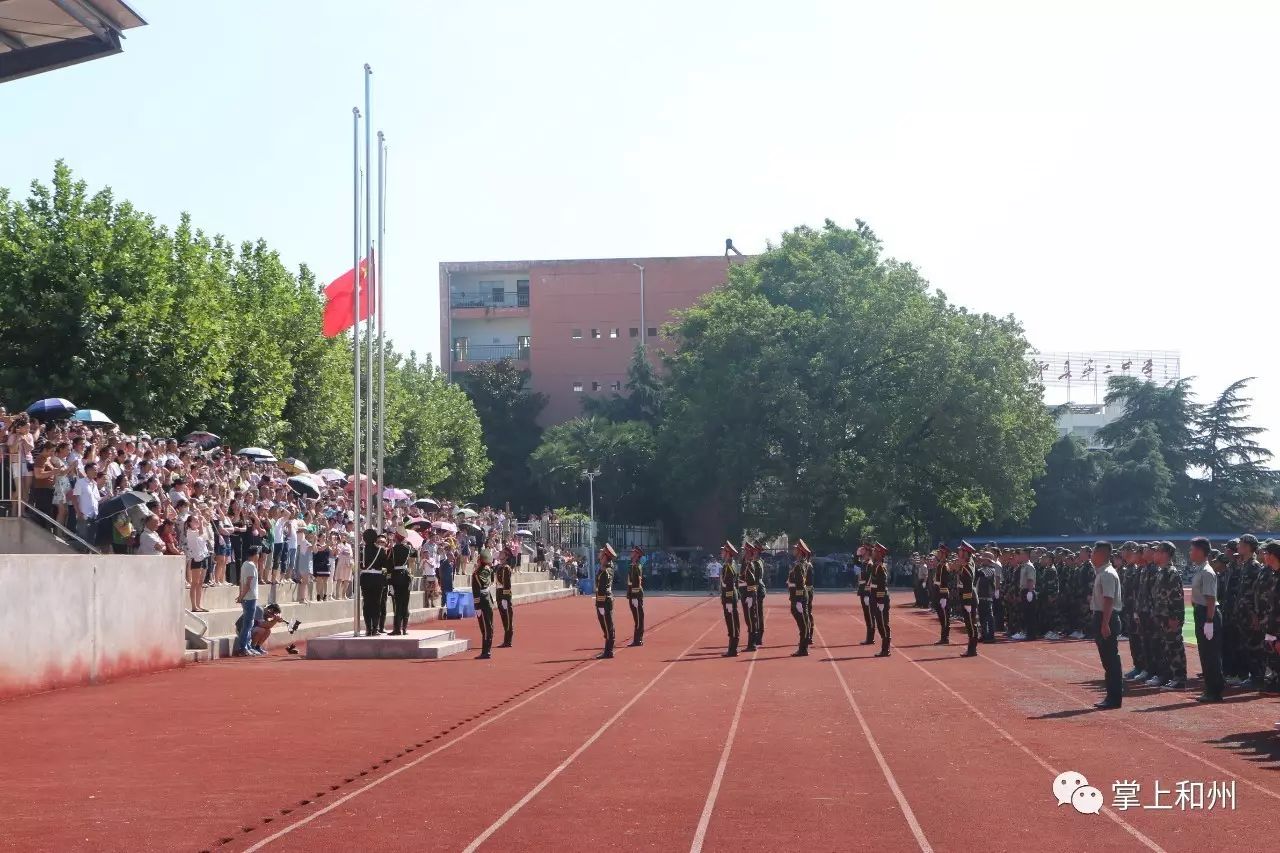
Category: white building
[1083,420]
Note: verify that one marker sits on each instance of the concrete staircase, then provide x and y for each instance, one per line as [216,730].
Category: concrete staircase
[323,618]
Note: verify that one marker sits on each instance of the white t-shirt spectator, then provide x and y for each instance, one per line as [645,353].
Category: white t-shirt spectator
[194,544]
[249,580]
[87,497]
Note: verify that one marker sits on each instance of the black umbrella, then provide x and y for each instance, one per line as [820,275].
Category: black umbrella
[203,440]
[426,503]
[122,502]
[418,523]
[304,485]
[51,409]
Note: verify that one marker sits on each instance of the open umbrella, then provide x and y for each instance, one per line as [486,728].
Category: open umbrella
[51,409]
[121,502]
[470,527]
[426,503]
[446,526]
[365,483]
[295,466]
[92,417]
[203,440]
[304,485]
[256,454]
[417,523]
[395,495]
[331,475]
[414,540]
[523,532]
[465,512]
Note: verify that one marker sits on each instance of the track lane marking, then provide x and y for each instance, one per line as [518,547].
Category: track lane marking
[700,835]
[453,742]
[907,813]
[564,765]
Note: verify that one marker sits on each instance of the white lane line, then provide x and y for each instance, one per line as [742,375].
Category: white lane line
[1120,718]
[907,813]
[1146,842]
[452,742]
[550,777]
[707,808]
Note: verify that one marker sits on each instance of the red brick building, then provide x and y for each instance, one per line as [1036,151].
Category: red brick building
[572,324]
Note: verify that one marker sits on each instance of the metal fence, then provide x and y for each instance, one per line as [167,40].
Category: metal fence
[489,352]
[488,298]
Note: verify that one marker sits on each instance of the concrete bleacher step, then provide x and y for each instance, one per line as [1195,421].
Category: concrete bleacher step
[434,643]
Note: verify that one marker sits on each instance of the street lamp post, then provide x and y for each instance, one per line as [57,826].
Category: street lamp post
[644,331]
[591,492]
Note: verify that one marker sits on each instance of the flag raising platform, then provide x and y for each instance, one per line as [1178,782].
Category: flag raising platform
[434,643]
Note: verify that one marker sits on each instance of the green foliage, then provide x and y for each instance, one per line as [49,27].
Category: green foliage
[824,377]
[173,331]
[1135,492]
[643,400]
[1238,489]
[624,453]
[508,413]
[1067,492]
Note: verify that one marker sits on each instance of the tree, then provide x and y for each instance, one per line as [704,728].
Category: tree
[508,413]
[823,377]
[1135,494]
[644,398]
[624,453]
[1067,492]
[1237,488]
[1171,412]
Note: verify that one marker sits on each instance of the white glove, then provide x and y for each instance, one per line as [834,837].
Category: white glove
[865,601]
[1270,638]
[1030,595]
[1208,630]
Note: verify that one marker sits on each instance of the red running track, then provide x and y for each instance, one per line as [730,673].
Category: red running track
[666,747]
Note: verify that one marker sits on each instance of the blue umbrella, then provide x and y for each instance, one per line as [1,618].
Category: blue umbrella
[93,417]
[51,409]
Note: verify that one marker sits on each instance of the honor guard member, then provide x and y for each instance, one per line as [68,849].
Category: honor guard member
[604,597]
[808,596]
[729,596]
[749,587]
[878,593]
[796,580]
[400,580]
[942,594]
[635,595]
[482,592]
[865,564]
[757,563]
[373,582]
[506,602]
[1170,611]
[968,596]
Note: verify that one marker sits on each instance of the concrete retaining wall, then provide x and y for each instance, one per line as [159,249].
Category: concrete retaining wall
[73,619]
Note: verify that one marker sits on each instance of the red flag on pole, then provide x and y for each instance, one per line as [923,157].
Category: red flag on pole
[338,301]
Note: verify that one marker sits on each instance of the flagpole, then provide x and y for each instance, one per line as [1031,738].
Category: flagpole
[355,349]
[382,355]
[372,490]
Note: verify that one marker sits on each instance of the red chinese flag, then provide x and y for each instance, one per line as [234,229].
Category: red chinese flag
[338,301]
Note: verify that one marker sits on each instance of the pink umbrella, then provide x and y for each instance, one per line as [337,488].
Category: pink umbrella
[364,481]
[414,540]
[446,526]
[395,495]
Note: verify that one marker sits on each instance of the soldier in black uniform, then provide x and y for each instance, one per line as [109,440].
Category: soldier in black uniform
[635,595]
[878,595]
[400,580]
[729,596]
[373,581]
[942,594]
[604,597]
[482,592]
[748,584]
[757,564]
[506,602]
[797,579]
[968,597]
[865,564]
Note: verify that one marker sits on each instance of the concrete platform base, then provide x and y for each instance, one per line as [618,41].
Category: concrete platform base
[415,644]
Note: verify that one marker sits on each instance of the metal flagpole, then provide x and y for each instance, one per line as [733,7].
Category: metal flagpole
[373,293]
[355,349]
[382,356]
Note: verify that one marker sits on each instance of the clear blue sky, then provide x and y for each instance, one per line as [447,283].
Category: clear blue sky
[1107,172]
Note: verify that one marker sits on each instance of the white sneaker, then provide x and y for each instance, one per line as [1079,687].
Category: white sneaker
[1079,635]
[1052,635]
[1154,681]
[1020,636]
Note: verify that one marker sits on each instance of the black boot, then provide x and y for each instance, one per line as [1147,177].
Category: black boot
[884,650]
[608,651]
[802,652]
[733,650]
[972,651]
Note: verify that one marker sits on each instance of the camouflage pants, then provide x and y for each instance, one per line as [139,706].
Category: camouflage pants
[1152,648]
[1137,643]
[1012,616]
[1175,653]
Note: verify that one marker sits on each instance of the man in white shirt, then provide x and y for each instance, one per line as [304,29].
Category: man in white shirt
[87,495]
[248,601]
[149,542]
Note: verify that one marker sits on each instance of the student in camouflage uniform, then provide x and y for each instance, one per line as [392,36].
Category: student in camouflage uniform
[1168,610]
[1265,591]
[1250,647]
[1009,593]
[1153,650]
[1049,589]
[1228,587]
[1129,579]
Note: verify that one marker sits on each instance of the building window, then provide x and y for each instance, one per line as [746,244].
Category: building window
[616,386]
[653,333]
[635,333]
[577,387]
[595,386]
[613,333]
[523,342]
[595,334]
[522,292]
[460,349]
[577,334]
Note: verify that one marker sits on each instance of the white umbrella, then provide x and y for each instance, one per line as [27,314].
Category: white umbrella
[446,526]
[257,454]
[466,512]
[523,532]
[331,475]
